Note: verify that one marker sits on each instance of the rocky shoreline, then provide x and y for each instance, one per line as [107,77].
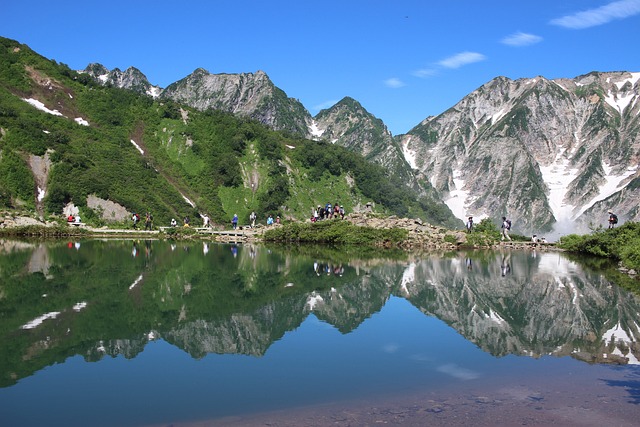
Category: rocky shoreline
[421,235]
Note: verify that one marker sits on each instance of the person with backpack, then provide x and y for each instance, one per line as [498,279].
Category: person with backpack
[506,226]
[148,221]
[613,219]
[470,224]
[135,218]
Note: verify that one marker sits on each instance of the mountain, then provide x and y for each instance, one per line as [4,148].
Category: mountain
[96,142]
[547,153]
[248,94]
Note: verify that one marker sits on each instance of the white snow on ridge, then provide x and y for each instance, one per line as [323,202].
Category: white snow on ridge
[137,147]
[634,78]
[40,106]
[497,116]
[557,176]
[612,184]
[619,103]
[81,121]
[40,194]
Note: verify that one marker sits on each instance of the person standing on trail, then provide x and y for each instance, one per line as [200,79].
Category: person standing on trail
[252,219]
[470,224]
[506,226]
[234,221]
[135,218]
[148,221]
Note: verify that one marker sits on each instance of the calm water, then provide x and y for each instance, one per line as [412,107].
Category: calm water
[138,333]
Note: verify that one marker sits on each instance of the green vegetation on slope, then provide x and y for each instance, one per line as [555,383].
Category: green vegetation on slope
[167,158]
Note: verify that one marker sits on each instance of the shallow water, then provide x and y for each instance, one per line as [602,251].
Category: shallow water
[137,333]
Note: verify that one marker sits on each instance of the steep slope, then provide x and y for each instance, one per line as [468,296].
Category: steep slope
[540,151]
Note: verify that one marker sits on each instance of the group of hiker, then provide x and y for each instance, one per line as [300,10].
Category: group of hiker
[327,212]
[505,227]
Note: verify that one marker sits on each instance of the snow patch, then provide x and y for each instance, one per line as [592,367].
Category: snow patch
[188,201]
[409,155]
[314,130]
[457,200]
[497,116]
[133,285]
[40,194]
[79,306]
[557,176]
[137,147]
[154,91]
[40,106]
[81,121]
[38,320]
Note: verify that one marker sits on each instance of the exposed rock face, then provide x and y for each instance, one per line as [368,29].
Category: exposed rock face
[110,211]
[539,151]
[247,94]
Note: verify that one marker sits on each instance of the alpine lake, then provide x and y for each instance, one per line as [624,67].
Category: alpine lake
[161,333]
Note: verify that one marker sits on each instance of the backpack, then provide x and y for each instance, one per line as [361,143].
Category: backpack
[614,218]
[508,224]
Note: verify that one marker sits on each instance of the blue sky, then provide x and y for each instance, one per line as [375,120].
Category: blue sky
[403,60]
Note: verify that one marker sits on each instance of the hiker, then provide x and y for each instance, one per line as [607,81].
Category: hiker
[234,221]
[341,212]
[148,221]
[135,218]
[270,220]
[173,222]
[186,221]
[506,226]
[470,224]
[278,219]
[252,218]
[613,219]
[205,220]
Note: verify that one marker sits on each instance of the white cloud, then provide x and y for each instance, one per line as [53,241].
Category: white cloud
[521,39]
[460,59]
[425,72]
[599,16]
[325,104]
[394,83]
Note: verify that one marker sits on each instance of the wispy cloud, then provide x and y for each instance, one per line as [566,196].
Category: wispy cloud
[394,83]
[460,59]
[425,72]
[521,39]
[599,16]
[325,104]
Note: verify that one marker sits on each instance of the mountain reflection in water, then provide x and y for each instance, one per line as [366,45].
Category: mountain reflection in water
[114,298]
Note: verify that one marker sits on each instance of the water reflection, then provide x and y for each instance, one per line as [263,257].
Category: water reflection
[97,298]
